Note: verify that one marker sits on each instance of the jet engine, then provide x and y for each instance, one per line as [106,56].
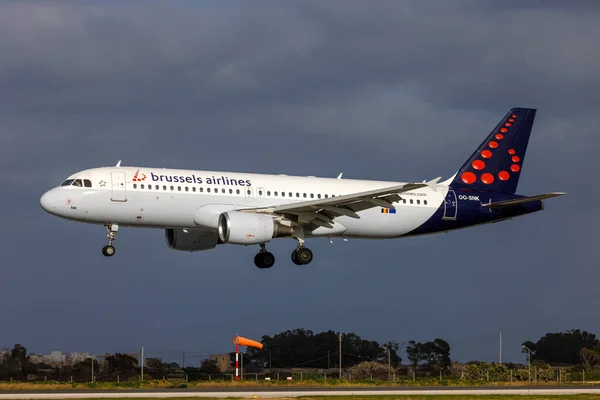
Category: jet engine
[191,239]
[249,228]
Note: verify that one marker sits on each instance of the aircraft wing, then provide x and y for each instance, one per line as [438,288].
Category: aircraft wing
[321,212]
[522,200]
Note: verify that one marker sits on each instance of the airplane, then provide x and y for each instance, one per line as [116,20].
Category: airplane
[199,210]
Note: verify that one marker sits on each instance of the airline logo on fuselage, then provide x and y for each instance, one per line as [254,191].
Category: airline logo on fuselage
[210,180]
[137,177]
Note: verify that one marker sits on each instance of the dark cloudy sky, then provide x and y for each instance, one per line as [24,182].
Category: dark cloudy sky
[392,90]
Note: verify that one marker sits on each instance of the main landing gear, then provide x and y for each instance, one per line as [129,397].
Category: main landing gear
[109,250]
[300,256]
[264,259]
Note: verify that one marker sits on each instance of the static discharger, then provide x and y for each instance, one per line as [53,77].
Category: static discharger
[242,341]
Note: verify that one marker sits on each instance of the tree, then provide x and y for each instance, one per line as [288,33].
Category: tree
[209,367]
[414,353]
[434,354]
[302,348]
[562,348]
[121,364]
[18,362]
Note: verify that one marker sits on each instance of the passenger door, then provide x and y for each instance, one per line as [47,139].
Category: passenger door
[119,191]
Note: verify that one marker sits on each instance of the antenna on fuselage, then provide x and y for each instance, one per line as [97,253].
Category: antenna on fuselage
[340,175]
[118,164]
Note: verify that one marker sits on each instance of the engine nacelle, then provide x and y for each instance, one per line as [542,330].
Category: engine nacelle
[249,228]
[193,240]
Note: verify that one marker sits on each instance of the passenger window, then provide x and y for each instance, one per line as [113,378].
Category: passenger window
[425,202]
[297,194]
[187,189]
[418,201]
[207,190]
[326,196]
[194,189]
[135,185]
[319,195]
[404,201]
[282,194]
[230,191]
[249,191]
[172,188]
[312,196]
[237,191]
[304,195]
[142,186]
[223,190]
[260,192]
[290,193]
[268,193]
[87,183]
[411,201]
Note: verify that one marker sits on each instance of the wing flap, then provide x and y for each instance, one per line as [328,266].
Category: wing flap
[325,210]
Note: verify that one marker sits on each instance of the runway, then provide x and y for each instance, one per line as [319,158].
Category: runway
[297,392]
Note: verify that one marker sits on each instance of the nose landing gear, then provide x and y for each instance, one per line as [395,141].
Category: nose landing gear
[109,249]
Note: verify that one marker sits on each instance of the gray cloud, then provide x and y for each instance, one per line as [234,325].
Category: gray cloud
[380,90]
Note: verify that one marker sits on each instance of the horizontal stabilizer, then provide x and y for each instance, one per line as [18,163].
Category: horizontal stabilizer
[522,200]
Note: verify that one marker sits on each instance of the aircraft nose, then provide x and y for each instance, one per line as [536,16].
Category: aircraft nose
[48,201]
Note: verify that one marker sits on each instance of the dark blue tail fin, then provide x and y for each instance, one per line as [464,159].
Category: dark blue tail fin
[497,163]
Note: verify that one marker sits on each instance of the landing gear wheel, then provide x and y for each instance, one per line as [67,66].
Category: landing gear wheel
[302,256]
[264,260]
[108,250]
[294,257]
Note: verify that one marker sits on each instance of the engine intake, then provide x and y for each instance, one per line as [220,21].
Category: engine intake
[249,228]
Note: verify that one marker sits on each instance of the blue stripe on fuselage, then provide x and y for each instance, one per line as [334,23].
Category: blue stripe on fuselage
[471,212]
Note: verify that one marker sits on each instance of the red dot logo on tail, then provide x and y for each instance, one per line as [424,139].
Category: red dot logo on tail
[137,177]
[468,177]
[504,175]
[487,178]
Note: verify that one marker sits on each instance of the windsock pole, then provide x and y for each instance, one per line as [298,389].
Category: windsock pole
[236,361]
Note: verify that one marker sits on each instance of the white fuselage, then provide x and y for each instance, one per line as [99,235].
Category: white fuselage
[171,198]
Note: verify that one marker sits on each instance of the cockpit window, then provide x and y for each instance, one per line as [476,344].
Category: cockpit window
[77,183]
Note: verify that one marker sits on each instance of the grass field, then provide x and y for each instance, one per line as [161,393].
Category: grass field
[153,384]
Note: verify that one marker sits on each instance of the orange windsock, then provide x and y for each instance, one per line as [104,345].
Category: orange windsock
[242,341]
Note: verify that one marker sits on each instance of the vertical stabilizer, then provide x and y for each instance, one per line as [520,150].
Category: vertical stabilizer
[497,163]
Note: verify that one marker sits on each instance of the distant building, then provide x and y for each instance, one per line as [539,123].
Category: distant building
[58,358]
[222,361]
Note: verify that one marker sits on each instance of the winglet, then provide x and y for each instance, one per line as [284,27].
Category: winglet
[340,175]
[433,184]
[118,164]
